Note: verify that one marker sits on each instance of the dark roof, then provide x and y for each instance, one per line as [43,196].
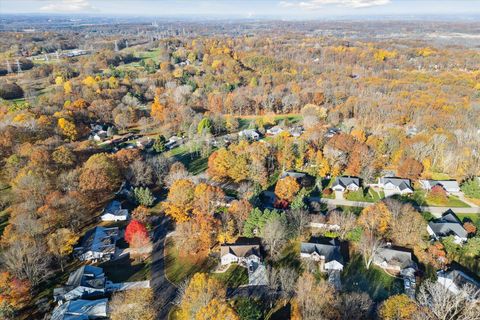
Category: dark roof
[327,247]
[113,207]
[99,239]
[394,256]
[345,181]
[401,183]
[447,225]
[87,276]
[81,309]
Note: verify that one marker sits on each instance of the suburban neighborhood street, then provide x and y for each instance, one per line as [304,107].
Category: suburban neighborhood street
[436,211]
[164,291]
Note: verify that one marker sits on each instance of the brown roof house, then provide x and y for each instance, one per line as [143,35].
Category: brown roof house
[240,253]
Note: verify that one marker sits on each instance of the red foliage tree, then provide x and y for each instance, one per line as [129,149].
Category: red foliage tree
[135,231]
[410,168]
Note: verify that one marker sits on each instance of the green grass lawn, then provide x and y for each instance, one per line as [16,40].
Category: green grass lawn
[290,256]
[474,217]
[233,277]
[178,269]
[127,270]
[378,284]
[364,195]
[421,198]
[193,161]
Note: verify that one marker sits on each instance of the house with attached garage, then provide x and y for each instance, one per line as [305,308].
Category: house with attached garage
[86,282]
[393,259]
[325,251]
[243,254]
[114,212]
[448,225]
[343,184]
[450,186]
[454,280]
[395,186]
[249,134]
[98,244]
[273,131]
[81,310]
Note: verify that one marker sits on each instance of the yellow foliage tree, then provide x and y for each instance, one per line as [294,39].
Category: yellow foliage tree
[376,219]
[67,87]
[68,128]
[179,202]
[59,80]
[217,310]
[322,165]
[287,188]
[398,307]
[158,110]
[60,243]
[89,81]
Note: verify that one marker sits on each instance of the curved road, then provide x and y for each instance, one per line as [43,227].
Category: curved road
[164,291]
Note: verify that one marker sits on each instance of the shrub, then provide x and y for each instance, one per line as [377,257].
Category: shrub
[10,91]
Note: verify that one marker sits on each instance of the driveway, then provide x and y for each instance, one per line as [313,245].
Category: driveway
[164,291]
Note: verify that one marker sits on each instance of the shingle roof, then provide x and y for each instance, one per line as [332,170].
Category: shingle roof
[81,309]
[88,276]
[459,278]
[446,184]
[402,184]
[447,225]
[240,250]
[394,257]
[345,181]
[329,248]
[99,239]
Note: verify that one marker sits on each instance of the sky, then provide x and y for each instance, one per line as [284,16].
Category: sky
[285,9]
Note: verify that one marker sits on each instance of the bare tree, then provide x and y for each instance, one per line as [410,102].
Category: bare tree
[274,236]
[298,221]
[316,300]
[287,278]
[440,304]
[177,172]
[354,305]
[369,245]
[140,173]
[347,221]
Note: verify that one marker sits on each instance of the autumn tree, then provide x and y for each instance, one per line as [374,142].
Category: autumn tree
[376,219]
[158,110]
[217,310]
[60,243]
[354,305]
[207,198]
[141,213]
[136,234]
[136,304]
[199,293]
[287,188]
[14,294]
[179,202]
[398,307]
[68,128]
[99,174]
[315,299]
[410,169]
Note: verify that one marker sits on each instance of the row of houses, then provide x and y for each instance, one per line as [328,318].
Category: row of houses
[254,135]
[329,256]
[393,185]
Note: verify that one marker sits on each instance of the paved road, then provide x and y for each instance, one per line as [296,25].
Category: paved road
[164,291]
[437,211]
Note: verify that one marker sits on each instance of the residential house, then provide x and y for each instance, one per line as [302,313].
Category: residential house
[447,225]
[326,251]
[331,132]
[393,259]
[86,282]
[249,134]
[450,186]
[455,280]
[395,186]
[97,244]
[114,212]
[296,131]
[173,142]
[342,184]
[240,253]
[81,310]
[273,131]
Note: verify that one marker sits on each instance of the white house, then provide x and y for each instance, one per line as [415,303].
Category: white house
[241,254]
[392,186]
[273,131]
[114,212]
[326,251]
[97,244]
[249,134]
[342,184]
[450,186]
[81,310]
[86,282]
[454,280]
[447,225]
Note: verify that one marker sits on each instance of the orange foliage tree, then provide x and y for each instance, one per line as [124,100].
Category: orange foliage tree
[287,188]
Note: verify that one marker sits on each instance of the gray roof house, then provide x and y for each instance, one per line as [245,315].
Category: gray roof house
[114,212]
[342,184]
[451,186]
[323,250]
[85,282]
[97,244]
[239,253]
[447,225]
[81,310]
[249,134]
[394,259]
[392,186]
[454,280]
